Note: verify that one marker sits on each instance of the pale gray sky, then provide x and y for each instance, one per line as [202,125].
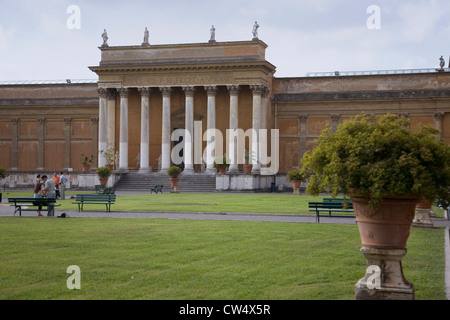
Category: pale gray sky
[303,36]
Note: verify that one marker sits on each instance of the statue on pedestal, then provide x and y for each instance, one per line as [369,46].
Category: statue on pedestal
[213,34]
[441,64]
[255,30]
[105,39]
[146,36]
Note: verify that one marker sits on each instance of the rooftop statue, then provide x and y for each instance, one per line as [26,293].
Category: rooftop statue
[213,34]
[146,36]
[255,30]
[105,38]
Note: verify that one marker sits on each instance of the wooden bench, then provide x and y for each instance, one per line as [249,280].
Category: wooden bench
[336,207]
[157,189]
[33,204]
[106,199]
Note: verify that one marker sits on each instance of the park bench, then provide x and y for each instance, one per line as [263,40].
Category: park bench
[89,198]
[157,189]
[335,207]
[33,204]
[99,188]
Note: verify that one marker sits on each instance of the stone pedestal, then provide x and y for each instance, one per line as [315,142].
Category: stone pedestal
[384,278]
[422,218]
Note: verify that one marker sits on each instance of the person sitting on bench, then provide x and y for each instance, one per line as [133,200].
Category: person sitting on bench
[38,193]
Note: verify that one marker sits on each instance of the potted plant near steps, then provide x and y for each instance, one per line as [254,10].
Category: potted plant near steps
[221,164]
[109,156]
[248,162]
[295,177]
[385,168]
[174,172]
[103,175]
[86,162]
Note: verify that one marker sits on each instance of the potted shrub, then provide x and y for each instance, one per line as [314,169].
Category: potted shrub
[221,164]
[248,162]
[86,162]
[295,177]
[385,168]
[109,156]
[103,175]
[173,172]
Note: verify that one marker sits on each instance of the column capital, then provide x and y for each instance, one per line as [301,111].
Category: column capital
[15,121]
[145,92]
[189,91]
[257,88]
[124,92]
[234,89]
[102,92]
[166,91]
[94,120]
[438,115]
[111,94]
[41,121]
[67,121]
[211,90]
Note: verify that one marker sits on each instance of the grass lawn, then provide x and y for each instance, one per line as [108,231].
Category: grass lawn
[195,259]
[283,203]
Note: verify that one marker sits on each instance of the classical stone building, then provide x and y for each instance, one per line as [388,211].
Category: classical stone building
[145,92]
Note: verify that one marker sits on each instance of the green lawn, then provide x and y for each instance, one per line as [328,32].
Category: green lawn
[194,259]
[203,202]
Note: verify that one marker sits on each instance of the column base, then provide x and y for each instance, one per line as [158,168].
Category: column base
[422,218]
[384,278]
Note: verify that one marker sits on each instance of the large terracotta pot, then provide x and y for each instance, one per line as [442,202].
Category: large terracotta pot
[388,226]
[296,186]
[86,167]
[103,181]
[174,185]
[248,168]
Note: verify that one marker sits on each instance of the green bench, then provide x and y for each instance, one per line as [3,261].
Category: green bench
[33,204]
[335,207]
[89,198]
[157,189]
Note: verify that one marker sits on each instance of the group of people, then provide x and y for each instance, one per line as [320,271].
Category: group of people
[50,188]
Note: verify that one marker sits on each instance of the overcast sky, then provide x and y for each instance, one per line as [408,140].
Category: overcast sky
[48,40]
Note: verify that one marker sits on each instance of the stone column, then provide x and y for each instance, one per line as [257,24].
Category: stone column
[94,139]
[257,97]
[111,122]
[14,143]
[234,125]
[123,140]
[145,131]
[67,130]
[211,125]
[41,145]
[189,127]
[102,125]
[437,117]
[335,122]
[303,133]
[166,134]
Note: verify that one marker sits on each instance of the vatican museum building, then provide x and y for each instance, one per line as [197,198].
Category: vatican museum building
[154,106]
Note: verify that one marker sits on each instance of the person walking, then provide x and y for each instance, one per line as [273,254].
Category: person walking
[62,185]
[56,181]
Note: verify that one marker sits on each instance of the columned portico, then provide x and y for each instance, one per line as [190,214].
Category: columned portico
[102,124]
[123,141]
[189,127]
[211,126]
[166,134]
[145,131]
[234,125]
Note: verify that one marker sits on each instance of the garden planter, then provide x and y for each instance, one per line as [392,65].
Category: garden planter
[388,226]
[110,166]
[222,170]
[296,186]
[174,185]
[248,168]
[103,181]
[423,213]
[86,167]
[384,232]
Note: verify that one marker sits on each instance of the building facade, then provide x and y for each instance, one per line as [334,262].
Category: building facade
[145,93]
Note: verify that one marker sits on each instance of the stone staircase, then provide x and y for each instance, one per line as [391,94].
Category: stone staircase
[134,181]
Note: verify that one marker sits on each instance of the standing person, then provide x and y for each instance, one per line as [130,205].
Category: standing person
[2,185]
[49,187]
[62,186]
[56,181]
[38,193]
